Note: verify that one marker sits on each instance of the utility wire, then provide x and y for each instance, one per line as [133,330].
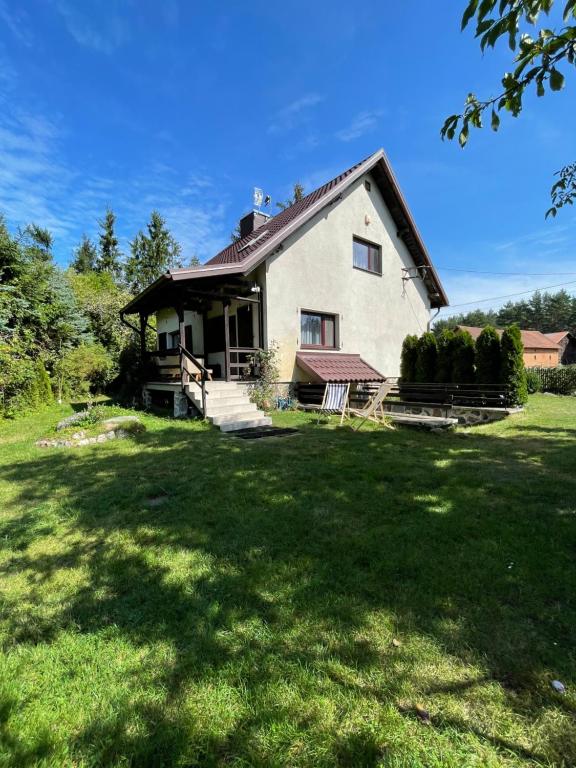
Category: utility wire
[509,295]
[510,274]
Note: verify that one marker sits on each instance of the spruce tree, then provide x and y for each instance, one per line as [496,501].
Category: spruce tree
[85,256]
[109,256]
[512,371]
[151,254]
[488,356]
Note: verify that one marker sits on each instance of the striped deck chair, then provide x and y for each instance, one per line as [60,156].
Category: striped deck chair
[373,410]
[335,400]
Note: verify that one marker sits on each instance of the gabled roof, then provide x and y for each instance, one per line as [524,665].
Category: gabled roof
[530,339]
[242,256]
[558,336]
[335,366]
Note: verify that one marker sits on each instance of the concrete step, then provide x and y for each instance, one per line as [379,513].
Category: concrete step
[243,406]
[234,414]
[232,426]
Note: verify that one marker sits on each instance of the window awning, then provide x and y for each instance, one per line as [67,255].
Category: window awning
[334,366]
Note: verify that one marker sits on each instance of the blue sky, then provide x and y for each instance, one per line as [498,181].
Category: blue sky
[185,106]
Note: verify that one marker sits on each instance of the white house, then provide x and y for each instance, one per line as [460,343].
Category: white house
[337,280]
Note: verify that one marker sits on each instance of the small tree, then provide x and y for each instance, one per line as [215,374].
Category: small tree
[445,356]
[265,362]
[488,356]
[85,256]
[408,358]
[463,358]
[109,252]
[512,371]
[297,195]
[426,358]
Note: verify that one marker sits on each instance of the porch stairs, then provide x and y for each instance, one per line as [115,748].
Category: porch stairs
[228,406]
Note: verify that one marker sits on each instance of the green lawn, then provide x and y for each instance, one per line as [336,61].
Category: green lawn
[191,599]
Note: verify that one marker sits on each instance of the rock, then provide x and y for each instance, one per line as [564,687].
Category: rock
[558,686]
[79,435]
[396,643]
[127,423]
[423,714]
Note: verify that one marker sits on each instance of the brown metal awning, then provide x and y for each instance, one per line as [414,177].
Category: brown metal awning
[334,366]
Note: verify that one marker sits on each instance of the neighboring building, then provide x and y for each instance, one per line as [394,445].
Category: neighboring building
[567,343]
[342,274]
[539,350]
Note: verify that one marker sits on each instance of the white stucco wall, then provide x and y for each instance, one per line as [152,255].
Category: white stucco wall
[167,322]
[315,272]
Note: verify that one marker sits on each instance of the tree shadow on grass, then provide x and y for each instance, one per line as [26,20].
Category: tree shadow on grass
[265,561]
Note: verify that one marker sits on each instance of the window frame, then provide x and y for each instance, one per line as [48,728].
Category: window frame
[323,316]
[370,245]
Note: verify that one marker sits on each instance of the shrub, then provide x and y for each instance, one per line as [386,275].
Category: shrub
[265,365]
[408,358]
[512,371]
[445,356]
[533,383]
[84,369]
[426,358]
[463,358]
[488,356]
[24,383]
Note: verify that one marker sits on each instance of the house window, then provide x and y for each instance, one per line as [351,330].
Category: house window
[174,339]
[318,331]
[161,342]
[367,256]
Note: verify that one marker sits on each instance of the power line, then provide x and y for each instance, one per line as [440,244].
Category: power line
[509,295]
[509,274]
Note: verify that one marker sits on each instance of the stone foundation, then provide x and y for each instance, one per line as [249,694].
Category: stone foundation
[146,398]
[181,404]
[465,415]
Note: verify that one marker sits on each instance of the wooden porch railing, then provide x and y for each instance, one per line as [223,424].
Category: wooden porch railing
[185,375]
[237,366]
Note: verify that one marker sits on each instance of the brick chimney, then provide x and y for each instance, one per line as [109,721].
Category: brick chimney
[252,221]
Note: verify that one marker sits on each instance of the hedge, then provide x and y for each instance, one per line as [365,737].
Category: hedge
[560,380]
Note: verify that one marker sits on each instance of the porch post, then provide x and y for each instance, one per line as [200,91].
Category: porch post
[260,308]
[143,321]
[227,338]
[181,325]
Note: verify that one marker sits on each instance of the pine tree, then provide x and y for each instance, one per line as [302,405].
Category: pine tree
[85,256]
[512,371]
[109,256]
[297,195]
[151,255]
[488,356]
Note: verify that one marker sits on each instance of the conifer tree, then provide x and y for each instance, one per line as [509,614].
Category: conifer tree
[513,373]
[151,254]
[85,256]
[109,256]
[488,356]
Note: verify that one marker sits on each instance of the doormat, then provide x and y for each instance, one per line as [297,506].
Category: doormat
[254,433]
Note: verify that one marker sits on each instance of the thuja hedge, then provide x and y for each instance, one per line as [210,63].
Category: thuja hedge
[454,358]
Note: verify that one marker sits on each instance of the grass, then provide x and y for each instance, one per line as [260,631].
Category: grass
[184,598]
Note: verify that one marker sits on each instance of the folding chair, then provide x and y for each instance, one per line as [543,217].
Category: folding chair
[335,400]
[373,410]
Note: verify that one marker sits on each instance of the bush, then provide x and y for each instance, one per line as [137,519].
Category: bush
[426,359]
[24,383]
[488,356]
[560,380]
[533,383]
[84,369]
[445,356]
[464,353]
[408,358]
[512,371]
[265,363]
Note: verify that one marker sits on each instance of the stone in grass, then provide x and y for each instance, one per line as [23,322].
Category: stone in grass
[558,686]
[423,715]
[128,424]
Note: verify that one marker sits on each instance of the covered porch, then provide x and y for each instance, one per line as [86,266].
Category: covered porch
[206,328]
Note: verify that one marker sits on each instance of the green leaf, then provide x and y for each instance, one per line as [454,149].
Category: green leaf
[463,137]
[551,212]
[569,9]
[556,80]
[495,122]
[469,12]
[540,91]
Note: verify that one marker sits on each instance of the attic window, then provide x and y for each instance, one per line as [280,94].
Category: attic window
[367,185]
[367,256]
